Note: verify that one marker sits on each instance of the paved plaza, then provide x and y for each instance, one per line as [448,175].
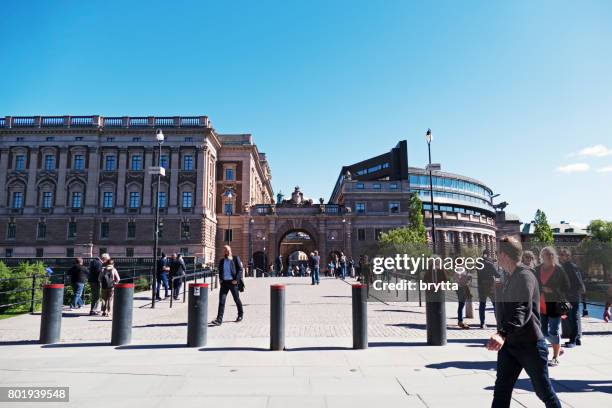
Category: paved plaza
[318,369]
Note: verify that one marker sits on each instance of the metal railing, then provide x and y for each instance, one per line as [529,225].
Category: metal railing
[203,273]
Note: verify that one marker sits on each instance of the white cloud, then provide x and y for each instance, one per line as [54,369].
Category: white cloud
[605,170]
[594,151]
[574,168]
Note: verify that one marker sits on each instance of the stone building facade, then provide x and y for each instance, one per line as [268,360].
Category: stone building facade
[80,185]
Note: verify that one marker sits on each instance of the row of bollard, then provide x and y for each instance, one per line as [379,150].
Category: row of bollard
[197,316]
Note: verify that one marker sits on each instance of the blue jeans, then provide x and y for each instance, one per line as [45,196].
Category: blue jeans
[460,307]
[78,287]
[550,328]
[343,271]
[314,275]
[511,360]
[162,278]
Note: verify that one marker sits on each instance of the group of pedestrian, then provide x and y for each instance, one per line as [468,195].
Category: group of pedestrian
[101,276]
[341,266]
[170,273]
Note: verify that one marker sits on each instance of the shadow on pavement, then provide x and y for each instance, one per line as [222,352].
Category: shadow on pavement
[161,325]
[18,342]
[233,349]
[597,333]
[604,386]
[465,365]
[468,342]
[149,346]
[66,345]
[397,311]
[318,348]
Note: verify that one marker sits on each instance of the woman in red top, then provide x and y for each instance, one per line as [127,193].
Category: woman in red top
[553,288]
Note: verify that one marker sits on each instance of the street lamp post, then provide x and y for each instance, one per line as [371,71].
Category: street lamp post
[429,138]
[251,260]
[435,307]
[159,136]
[228,195]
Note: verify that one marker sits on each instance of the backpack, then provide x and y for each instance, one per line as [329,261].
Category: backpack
[106,278]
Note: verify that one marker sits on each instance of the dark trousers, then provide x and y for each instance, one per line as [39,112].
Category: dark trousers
[511,360]
[482,307]
[460,307]
[176,287]
[227,286]
[95,295]
[574,322]
[162,278]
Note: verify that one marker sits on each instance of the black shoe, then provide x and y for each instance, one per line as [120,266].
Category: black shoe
[158,298]
[585,313]
[578,342]
[216,322]
[238,319]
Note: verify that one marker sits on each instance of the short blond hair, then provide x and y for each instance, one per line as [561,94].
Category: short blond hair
[105,256]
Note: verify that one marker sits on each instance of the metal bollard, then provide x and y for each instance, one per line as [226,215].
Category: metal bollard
[122,314]
[197,315]
[360,316]
[51,315]
[277,317]
[435,314]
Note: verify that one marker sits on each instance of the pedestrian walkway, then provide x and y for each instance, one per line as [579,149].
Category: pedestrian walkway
[318,369]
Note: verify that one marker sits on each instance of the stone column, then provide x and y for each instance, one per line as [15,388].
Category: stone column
[174,177]
[31,193]
[121,173]
[93,175]
[146,188]
[60,191]
[4,156]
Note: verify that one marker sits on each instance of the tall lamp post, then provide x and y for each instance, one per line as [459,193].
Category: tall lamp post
[429,138]
[435,306]
[228,196]
[159,136]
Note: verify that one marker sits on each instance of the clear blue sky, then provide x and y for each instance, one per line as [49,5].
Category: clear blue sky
[513,91]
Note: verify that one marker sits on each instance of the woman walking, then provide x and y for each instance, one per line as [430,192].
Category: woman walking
[554,284]
[108,278]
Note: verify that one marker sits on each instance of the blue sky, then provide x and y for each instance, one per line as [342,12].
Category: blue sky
[513,91]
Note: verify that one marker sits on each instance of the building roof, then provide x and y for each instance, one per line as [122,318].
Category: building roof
[562,228]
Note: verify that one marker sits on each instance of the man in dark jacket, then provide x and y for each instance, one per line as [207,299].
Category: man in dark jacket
[78,276]
[177,271]
[519,341]
[95,268]
[230,275]
[163,267]
[574,293]
[486,286]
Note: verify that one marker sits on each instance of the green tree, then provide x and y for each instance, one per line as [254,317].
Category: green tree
[601,230]
[16,286]
[415,218]
[543,232]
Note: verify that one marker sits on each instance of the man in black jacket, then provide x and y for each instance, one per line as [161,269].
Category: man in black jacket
[230,275]
[519,341]
[486,286]
[177,271]
[575,292]
[95,268]
[78,276]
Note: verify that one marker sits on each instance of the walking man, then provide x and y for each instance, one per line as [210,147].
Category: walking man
[576,290]
[230,275]
[278,265]
[177,271]
[78,276]
[163,267]
[315,261]
[519,341]
[486,286]
[95,268]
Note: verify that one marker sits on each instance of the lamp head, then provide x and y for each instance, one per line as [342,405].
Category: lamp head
[159,135]
[428,136]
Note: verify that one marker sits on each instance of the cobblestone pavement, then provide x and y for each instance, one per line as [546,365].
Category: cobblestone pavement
[318,370]
[311,311]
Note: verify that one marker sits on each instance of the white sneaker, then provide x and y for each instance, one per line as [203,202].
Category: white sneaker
[554,362]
